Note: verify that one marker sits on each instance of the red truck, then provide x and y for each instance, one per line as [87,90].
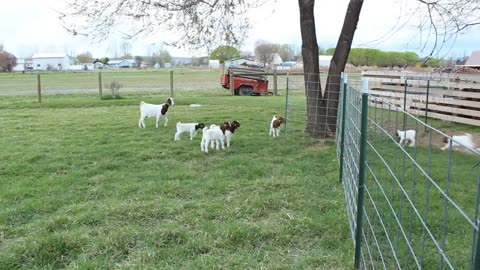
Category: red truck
[246,81]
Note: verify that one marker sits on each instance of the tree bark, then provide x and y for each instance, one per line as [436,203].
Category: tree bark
[313,89]
[338,62]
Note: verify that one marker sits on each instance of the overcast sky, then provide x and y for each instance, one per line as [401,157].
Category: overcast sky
[29,26]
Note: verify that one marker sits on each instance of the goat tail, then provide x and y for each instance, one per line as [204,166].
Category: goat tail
[178,124]
[142,103]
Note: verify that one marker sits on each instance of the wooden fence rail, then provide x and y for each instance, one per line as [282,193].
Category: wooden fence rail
[446,97]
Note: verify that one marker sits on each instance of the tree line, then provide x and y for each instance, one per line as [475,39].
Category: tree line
[379,58]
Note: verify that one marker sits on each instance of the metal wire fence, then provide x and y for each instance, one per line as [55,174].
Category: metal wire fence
[411,205]
[308,113]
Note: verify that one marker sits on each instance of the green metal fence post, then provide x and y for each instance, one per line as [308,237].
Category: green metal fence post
[171,83]
[361,174]
[286,107]
[344,89]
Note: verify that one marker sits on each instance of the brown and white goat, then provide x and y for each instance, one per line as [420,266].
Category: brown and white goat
[154,110]
[275,126]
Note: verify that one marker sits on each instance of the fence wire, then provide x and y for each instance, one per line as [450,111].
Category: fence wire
[421,202]
[308,113]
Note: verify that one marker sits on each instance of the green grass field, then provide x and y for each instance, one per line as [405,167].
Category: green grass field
[84,188]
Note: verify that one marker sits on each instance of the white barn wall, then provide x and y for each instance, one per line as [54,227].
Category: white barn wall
[57,61]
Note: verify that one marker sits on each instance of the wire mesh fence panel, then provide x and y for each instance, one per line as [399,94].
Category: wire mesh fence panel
[422,194]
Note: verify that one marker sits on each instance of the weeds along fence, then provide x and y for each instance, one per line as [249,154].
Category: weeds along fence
[410,206]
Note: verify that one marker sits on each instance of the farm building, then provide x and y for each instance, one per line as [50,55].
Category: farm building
[125,63]
[20,65]
[474,60]
[49,61]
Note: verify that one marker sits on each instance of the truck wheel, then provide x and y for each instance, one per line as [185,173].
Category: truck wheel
[246,90]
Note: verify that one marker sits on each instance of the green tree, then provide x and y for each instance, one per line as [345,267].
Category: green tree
[223,53]
[85,57]
[286,52]
[264,51]
[104,60]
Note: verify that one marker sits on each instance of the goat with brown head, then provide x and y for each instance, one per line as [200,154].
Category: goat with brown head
[275,125]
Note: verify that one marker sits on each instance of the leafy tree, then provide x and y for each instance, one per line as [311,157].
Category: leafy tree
[286,52]
[264,51]
[330,51]
[85,57]
[223,53]
[104,60]
[8,61]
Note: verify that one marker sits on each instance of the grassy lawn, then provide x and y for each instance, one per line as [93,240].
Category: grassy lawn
[84,188]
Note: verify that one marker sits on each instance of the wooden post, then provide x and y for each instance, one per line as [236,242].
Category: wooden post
[232,85]
[100,84]
[275,82]
[171,83]
[39,88]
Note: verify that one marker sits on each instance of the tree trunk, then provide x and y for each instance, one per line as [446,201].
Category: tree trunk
[313,89]
[338,62]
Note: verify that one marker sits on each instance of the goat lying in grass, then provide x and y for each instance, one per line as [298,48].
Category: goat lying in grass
[275,126]
[154,110]
[456,141]
[407,136]
[188,127]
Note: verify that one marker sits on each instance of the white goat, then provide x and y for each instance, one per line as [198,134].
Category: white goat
[228,129]
[188,127]
[407,135]
[275,126]
[211,135]
[460,141]
[154,110]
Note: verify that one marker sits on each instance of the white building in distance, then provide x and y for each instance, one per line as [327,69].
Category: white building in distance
[50,61]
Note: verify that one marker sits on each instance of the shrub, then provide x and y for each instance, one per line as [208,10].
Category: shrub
[114,88]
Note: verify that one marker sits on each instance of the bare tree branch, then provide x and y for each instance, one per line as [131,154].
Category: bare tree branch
[197,23]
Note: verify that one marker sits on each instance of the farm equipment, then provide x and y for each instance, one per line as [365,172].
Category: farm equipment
[246,81]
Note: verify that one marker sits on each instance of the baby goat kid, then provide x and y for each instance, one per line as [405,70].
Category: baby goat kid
[211,135]
[154,110]
[460,141]
[228,129]
[275,126]
[188,127]
[407,136]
